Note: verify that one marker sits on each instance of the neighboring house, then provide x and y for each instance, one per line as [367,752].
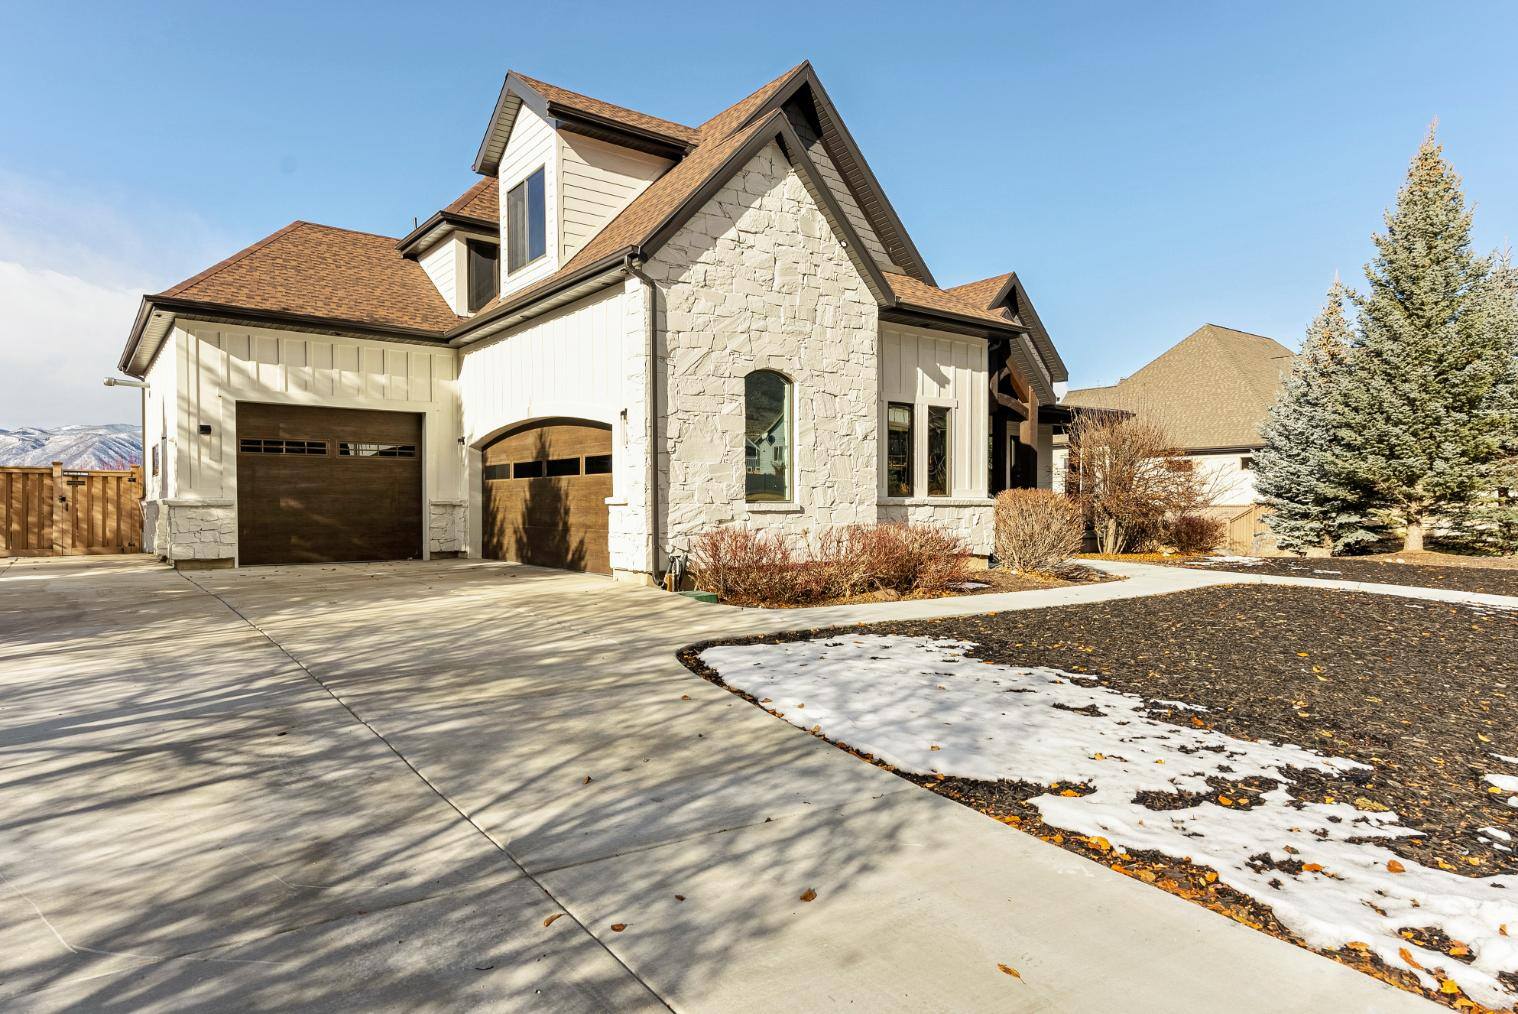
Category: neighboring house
[734,308]
[1211,392]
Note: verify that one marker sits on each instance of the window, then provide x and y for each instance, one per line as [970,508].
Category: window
[1247,462]
[766,437]
[938,451]
[354,449]
[495,473]
[254,445]
[527,470]
[562,466]
[484,272]
[526,222]
[898,449]
[598,464]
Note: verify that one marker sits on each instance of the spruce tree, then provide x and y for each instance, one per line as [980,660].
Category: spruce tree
[1299,473]
[1426,426]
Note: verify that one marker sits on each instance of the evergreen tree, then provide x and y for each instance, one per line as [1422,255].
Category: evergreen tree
[1429,423]
[1299,473]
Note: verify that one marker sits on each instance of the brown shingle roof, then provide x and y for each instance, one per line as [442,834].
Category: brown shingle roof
[983,291]
[1211,389]
[483,200]
[321,271]
[911,292]
[608,111]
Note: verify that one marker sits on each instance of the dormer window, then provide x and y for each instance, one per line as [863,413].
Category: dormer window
[484,273]
[526,222]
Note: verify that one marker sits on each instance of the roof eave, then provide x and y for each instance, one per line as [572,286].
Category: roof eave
[534,301]
[422,236]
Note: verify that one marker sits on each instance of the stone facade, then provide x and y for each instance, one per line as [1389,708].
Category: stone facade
[758,280]
[972,520]
[447,527]
[196,530]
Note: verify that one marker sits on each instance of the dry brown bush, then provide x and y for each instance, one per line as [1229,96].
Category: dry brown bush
[757,568]
[1037,529]
[1196,533]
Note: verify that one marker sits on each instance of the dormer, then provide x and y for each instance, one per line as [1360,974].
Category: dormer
[459,248]
[566,165]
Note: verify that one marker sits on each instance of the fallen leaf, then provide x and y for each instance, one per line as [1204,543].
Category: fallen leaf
[1099,843]
[1448,987]
[1358,945]
[1459,950]
[618,927]
[549,921]
[1370,805]
[1312,867]
[1392,866]
[1407,956]
[685,697]
[1009,970]
[809,895]
[935,746]
[586,781]
[679,897]
[1225,800]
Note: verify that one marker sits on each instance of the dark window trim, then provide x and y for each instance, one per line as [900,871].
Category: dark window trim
[911,472]
[948,451]
[523,185]
[282,445]
[355,450]
[479,297]
[788,415]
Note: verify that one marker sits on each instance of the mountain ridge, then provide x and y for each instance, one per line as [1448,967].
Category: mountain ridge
[82,446]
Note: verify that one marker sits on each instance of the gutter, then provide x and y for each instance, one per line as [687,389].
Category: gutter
[482,325]
[633,264]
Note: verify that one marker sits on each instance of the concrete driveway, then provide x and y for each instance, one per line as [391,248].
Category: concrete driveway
[379,786]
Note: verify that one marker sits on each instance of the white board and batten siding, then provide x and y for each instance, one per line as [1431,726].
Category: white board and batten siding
[926,368]
[596,181]
[219,365]
[533,144]
[570,363]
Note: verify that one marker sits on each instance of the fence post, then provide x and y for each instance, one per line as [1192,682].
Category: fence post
[61,508]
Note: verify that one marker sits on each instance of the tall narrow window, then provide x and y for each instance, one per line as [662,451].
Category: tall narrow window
[898,449]
[526,222]
[767,437]
[938,451]
[484,273]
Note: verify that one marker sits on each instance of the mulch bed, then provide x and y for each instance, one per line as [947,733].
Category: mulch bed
[1493,580]
[1422,692]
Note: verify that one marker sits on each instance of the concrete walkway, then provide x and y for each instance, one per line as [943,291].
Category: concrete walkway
[370,786]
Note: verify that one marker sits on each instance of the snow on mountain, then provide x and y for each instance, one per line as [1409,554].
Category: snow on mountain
[113,445]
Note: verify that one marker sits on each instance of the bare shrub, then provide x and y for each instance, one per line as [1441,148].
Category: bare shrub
[1196,533]
[1037,529]
[1129,479]
[755,568]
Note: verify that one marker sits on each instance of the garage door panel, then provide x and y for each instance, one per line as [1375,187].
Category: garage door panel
[300,499]
[549,521]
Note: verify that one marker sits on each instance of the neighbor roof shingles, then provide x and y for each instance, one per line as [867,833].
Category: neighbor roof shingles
[321,271]
[1213,388]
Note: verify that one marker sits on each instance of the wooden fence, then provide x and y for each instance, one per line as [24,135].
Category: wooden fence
[54,511]
[1248,534]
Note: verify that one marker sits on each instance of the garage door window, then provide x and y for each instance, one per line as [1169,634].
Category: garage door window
[258,445]
[354,449]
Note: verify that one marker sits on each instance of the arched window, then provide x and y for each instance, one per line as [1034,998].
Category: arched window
[767,437]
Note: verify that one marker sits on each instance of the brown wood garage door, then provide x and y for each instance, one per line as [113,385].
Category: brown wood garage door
[318,485]
[545,496]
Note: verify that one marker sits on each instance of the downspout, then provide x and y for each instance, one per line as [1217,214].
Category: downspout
[634,265]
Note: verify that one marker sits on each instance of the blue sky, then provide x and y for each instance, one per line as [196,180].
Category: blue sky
[1144,168]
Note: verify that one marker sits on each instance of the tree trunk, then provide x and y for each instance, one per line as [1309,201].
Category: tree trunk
[1413,542]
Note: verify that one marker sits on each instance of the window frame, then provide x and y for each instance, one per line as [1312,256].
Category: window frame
[470,246]
[911,462]
[523,185]
[788,417]
[948,449]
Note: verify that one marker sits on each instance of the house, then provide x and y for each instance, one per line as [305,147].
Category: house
[629,330]
[1211,391]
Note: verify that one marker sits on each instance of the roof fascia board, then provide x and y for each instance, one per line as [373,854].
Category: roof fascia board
[191,309]
[589,125]
[487,323]
[806,74]
[504,116]
[423,236]
[1046,347]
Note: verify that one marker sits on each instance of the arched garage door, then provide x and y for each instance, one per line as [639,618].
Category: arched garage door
[545,495]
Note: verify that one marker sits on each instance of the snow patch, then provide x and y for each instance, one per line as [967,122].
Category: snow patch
[921,705]
[1241,561]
